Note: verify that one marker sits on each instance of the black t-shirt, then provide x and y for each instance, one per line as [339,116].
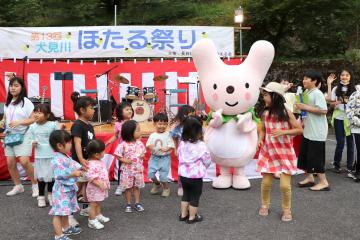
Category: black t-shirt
[85,132]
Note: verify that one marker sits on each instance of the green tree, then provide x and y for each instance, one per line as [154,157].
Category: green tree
[302,28]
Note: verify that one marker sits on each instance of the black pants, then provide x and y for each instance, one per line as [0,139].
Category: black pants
[312,156]
[357,142]
[42,184]
[192,190]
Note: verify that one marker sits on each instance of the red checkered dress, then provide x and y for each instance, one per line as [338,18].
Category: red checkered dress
[277,154]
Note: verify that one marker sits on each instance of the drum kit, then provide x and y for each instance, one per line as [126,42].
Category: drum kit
[143,102]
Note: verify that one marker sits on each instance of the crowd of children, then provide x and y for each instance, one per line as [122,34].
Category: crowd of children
[83,177]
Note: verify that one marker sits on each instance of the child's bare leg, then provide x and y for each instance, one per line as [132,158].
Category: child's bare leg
[136,194]
[128,195]
[65,222]
[57,223]
[184,209]
[165,185]
[93,210]
[192,212]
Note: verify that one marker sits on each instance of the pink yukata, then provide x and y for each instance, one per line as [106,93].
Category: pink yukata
[194,159]
[97,171]
[131,174]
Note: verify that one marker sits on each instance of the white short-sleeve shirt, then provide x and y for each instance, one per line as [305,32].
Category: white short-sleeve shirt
[160,140]
[315,125]
[18,112]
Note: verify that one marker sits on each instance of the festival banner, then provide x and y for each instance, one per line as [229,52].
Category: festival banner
[110,41]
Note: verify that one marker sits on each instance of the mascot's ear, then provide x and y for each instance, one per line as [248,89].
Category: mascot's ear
[205,56]
[259,59]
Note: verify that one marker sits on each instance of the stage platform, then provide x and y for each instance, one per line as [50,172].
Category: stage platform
[146,127]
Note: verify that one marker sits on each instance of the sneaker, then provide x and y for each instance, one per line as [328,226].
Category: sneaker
[166,192]
[351,174]
[101,218]
[138,207]
[72,231]
[62,237]
[35,190]
[357,177]
[73,222]
[16,190]
[128,209]
[49,198]
[118,191]
[155,189]
[180,192]
[41,201]
[95,224]
[336,169]
[85,211]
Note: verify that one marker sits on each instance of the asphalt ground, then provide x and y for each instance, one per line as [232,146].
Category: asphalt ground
[228,214]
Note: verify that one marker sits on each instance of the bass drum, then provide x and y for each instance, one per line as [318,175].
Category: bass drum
[141,110]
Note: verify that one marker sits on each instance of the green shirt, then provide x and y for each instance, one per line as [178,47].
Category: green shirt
[316,126]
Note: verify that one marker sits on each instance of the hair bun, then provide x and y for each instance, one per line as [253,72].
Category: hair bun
[75,96]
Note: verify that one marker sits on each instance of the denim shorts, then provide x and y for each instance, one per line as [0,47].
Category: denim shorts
[159,164]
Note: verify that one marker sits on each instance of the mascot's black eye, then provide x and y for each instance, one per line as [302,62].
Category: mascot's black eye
[247,85]
[215,86]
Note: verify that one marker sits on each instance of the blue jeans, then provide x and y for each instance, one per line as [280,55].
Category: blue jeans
[340,143]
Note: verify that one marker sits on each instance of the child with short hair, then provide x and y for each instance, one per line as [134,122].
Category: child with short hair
[277,155]
[160,144]
[98,183]
[40,133]
[312,150]
[66,171]
[194,159]
[131,152]
[124,112]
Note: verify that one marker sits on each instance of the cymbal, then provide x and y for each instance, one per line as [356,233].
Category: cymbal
[121,79]
[161,77]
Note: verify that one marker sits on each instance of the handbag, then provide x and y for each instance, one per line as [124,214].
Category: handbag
[13,139]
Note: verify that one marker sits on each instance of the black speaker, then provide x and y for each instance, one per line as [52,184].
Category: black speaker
[63,76]
[106,111]
[58,76]
[68,76]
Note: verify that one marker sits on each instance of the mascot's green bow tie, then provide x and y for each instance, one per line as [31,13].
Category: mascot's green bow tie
[227,118]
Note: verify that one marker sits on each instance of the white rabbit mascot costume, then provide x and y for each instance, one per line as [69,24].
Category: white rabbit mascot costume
[231,92]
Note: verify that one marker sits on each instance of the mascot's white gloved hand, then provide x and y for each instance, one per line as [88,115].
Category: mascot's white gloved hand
[216,120]
[245,123]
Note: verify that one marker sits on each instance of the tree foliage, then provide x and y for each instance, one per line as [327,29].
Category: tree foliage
[307,28]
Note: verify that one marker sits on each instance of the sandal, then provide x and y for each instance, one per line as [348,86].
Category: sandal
[264,211]
[182,219]
[304,185]
[286,216]
[198,218]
